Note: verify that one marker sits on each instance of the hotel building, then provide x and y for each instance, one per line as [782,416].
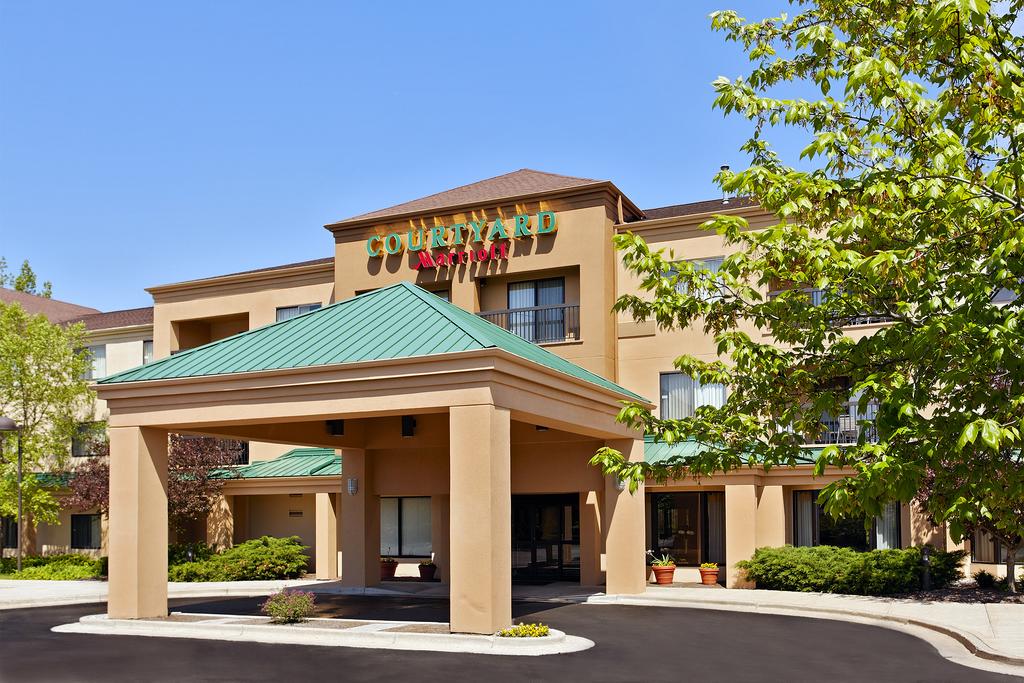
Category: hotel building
[436,388]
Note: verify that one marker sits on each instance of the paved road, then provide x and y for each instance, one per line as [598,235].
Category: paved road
[633,644]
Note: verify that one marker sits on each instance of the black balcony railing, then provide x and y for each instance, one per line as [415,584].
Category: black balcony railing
[539,324]
[846,427]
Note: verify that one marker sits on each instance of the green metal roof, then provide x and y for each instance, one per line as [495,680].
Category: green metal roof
[298,462]
[400,321]
[53,479]
[659,451]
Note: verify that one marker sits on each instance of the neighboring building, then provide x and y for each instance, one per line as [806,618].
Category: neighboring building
[56,311]
[117,340]
[532,253]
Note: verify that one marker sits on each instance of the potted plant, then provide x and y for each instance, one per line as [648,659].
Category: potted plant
[427,570]
[664,570]
[709,573]
[388,565]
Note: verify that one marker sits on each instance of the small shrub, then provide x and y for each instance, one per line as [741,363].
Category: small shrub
[525,631]
[985,579]
[68,567]
[709,565]
[289,606]
[259,559]
[829,569]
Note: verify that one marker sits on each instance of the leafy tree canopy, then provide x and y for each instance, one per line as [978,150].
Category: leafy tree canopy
[24,280]
[195,476]
[909,207]
[42,366]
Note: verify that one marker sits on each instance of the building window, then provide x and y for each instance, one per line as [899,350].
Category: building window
[537,309]
[681,395]
[98,368]
[987,550]
[689,527]
[709,266]
[82,441]
[85,532]
[147,351]
[288,312]
[10,530]
[812,526]
[405,527]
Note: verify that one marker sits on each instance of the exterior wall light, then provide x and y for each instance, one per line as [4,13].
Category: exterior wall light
[353,485]
[541,428]
[620,484]
[408,426]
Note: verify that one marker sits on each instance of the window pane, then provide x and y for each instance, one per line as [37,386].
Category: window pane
[389,527]
[85,532]
[803,518]
[10,525]
[681,395]
[147,351]
[551,292]
[715,527]
[81,440]
[676,396]
[522,295]
[676,526]
[887,527]
[98,370]
[416,526]
[288,312]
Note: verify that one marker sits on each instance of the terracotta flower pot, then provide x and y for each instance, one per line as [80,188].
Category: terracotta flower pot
[427,571]
[709,577]
[387,570]
[663,575]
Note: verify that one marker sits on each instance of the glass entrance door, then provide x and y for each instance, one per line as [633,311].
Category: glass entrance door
[545,538]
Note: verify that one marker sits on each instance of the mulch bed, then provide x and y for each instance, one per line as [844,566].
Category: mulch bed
[965,594]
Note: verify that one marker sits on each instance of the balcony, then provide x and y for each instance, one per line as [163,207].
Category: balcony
[539,324]
[845,428]
[817,297]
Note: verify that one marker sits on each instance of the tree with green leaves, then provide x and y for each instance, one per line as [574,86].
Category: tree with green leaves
[42,366]
[24,281]
[908,207]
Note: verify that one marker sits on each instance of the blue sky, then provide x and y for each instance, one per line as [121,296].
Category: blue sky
[145,143]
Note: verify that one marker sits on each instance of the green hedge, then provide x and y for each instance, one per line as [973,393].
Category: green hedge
[828,569]
[259,559]
[54,567]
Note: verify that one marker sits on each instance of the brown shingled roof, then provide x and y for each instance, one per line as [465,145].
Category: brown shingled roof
[55,310]
[113,319]
[522,182]
[706,206]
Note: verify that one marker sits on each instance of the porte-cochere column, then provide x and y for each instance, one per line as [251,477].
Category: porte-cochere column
[138,523]
[480,544]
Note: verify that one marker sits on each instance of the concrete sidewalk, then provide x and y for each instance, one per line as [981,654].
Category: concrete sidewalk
[990,631]
[19,594]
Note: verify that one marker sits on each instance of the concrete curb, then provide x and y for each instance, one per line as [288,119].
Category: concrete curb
[969,642]
[217,591]
[556,643]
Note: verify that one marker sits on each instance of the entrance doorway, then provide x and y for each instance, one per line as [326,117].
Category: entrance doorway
[546,538]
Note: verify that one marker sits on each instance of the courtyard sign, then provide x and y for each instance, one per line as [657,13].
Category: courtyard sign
[462,242]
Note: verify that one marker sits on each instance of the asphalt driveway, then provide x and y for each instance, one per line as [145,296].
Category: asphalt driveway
[633,644]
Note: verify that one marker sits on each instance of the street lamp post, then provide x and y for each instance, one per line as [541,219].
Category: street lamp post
[9,425]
